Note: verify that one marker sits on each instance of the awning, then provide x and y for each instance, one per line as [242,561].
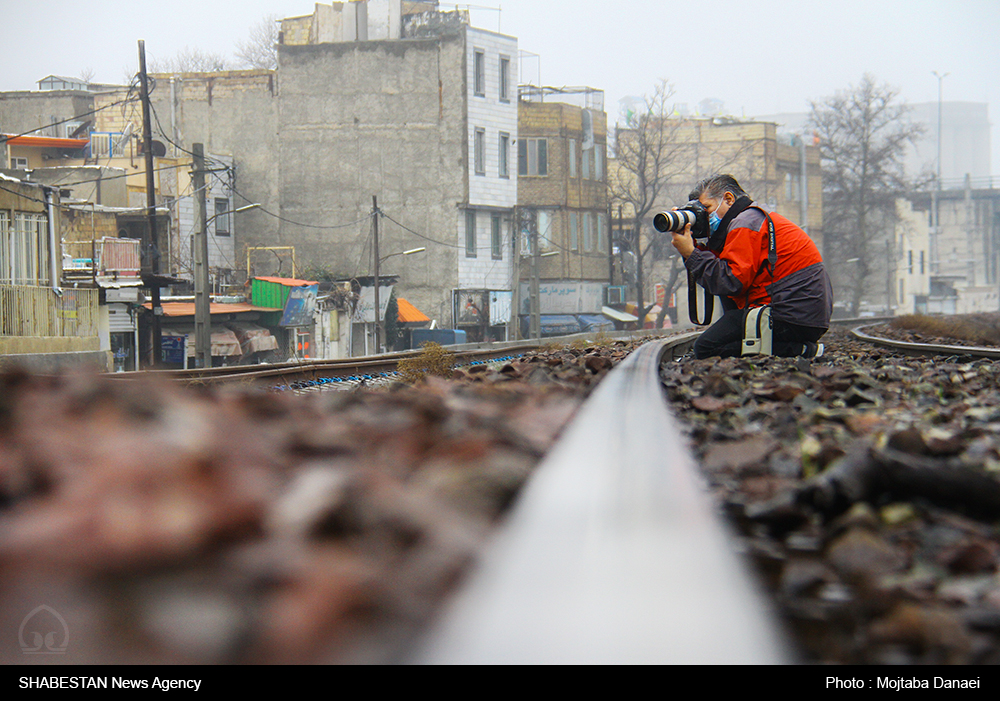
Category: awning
[623,317]
[253,338]
[176,309]
[48,142]
[593,323]
[553,324]
[408,314]
[224,341]
[287,281]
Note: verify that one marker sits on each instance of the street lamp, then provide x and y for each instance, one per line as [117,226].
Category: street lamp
[202,301]
[378,262]
[937,185]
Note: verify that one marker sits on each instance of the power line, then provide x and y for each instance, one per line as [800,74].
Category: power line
[4,138]
[289,221]
[417,234]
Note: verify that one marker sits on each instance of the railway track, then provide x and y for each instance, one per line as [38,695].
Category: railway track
[615,553]
[615,550]
[314,373]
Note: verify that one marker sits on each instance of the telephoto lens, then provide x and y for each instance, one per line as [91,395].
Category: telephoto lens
[673,221]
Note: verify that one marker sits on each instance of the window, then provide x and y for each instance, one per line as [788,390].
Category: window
[602,234]
[479,73]
[909,262]
[545,231]
[587,154]
[504,169]
[921,262]
[18,162]
[5,275]
[574,232]
[572,158]
[27,255]
[222,217]
[504,79]
[532,157]
[588,231]
[496,247]
[598,163]
[470,233]
[480,151]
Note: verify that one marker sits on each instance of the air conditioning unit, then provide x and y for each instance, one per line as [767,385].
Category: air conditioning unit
[614,294]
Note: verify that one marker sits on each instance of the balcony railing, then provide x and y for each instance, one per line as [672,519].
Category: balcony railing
[108,259]
[27,310]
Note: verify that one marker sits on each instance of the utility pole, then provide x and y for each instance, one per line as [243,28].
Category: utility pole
[803,186]
[611,248]
[151,248]
[202,299]
[378,321]
[514,325]
[536,319]
[936,197]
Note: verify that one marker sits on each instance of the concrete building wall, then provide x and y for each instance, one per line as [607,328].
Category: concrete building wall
[99,184]
[912,260]
[231,112]
[23,110]
[376,118]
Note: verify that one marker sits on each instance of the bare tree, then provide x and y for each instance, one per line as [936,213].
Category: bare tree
[660,155]
[649,156]
[260,48]
[863,132]
[189,60]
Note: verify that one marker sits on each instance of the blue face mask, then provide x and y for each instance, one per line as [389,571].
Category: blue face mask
[713,217]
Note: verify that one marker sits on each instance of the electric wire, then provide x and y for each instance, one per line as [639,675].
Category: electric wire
[5,138]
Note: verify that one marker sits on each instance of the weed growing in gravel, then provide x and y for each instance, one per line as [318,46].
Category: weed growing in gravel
[603,339]
[433,360]
[976,328]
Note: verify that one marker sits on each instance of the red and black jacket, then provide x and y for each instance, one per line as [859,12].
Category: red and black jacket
[735,264]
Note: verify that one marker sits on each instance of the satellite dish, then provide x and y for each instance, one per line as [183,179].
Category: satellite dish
[158,149]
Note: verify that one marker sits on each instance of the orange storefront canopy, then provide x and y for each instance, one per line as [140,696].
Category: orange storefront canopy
[408,314]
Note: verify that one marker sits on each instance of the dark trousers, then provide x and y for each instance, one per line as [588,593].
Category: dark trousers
[724,338]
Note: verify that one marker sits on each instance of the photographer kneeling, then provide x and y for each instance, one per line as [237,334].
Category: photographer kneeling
[756,259]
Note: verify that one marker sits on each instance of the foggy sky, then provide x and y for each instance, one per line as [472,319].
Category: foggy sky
[761,57]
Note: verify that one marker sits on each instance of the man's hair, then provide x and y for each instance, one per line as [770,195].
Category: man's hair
[716,186]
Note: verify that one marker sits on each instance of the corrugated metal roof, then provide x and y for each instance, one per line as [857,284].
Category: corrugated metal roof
[47,142]
[409,314]
[287,281]
[187,308]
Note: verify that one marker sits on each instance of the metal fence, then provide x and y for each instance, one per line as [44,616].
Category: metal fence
[41,311]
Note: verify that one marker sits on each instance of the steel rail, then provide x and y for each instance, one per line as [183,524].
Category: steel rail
[912,348]
[288,373]
[613,552]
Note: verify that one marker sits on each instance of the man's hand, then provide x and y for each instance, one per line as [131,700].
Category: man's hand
[684,242]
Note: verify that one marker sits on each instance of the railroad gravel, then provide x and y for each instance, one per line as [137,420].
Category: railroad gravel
[864,487]
[155,524]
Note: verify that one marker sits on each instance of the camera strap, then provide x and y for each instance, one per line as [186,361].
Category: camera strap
[769,264]
[693,303]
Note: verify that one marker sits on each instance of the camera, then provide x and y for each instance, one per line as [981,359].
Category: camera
[693,213]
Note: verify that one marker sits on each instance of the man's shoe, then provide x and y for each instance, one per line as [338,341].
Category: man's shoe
[812,350]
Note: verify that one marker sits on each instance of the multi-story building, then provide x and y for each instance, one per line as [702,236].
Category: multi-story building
[563,199]
[964,251]
[372,101]
[424,120]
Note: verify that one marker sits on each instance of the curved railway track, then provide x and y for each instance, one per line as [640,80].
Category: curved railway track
[614,550]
